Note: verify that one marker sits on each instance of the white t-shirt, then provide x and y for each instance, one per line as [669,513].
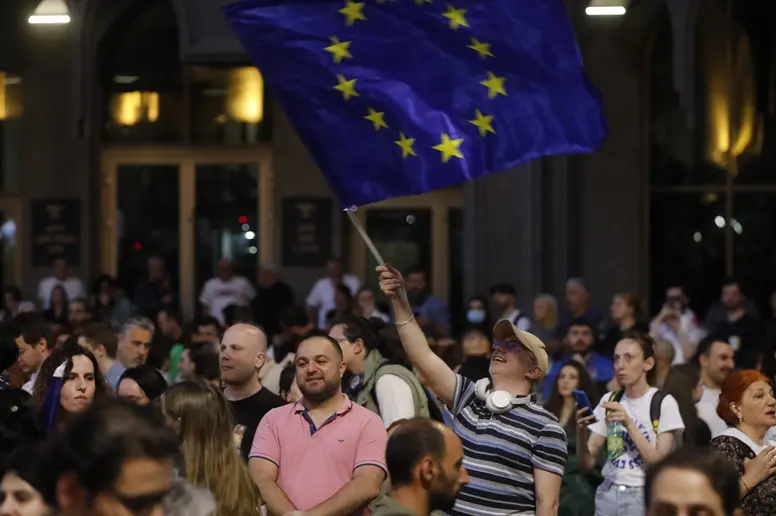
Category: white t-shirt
[707,411]
[628,469]
[217,294]
[394,397]
[73,286]
[321,296]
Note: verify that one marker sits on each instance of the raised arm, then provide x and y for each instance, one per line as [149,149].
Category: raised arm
[438,377]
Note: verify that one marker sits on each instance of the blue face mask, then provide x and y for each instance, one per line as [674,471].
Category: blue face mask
[475,316]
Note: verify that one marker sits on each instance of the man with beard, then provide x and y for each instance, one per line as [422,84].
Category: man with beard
[324,434]
[133,346]
[425,465]
[240,359]
[580,342]
[715,357]
[430,311]
[734,321]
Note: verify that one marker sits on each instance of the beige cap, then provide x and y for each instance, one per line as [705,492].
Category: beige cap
[506,330]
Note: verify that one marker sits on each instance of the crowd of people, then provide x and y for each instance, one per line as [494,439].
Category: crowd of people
[385,408]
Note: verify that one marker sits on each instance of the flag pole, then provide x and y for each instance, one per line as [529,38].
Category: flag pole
[370,245]
[364,236]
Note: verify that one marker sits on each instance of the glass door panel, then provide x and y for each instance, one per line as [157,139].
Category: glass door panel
[11,231]
[226,219]
[402,236]
[147,221]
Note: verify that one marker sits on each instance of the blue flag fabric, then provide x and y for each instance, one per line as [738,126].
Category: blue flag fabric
[401,97]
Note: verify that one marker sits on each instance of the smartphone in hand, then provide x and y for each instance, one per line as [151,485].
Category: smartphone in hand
[580,397]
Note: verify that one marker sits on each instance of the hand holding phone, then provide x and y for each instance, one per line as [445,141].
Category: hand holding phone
[583,402]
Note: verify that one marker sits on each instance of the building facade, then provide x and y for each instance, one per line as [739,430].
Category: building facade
[140,128]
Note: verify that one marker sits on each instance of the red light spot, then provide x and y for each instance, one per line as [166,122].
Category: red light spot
[138,246]
[243,219]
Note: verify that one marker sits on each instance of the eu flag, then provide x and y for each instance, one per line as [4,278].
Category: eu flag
[401,97]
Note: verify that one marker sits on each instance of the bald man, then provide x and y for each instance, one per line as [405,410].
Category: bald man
[241,357]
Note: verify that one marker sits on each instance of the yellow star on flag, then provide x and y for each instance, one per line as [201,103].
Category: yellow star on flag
[377,118]
[457,17]
[482,48]
[483,122]
[449,148]
[347,87]
[406,146]
[339,49]
[353,11]
[495,85]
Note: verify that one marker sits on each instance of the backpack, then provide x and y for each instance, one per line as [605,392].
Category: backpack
[426,405]
[654,405]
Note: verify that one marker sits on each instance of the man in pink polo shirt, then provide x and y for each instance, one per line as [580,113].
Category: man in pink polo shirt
[323,455]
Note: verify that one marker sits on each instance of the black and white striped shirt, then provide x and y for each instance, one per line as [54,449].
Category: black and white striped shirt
[501,452]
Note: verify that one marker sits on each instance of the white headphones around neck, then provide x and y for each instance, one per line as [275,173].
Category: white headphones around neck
[498,402]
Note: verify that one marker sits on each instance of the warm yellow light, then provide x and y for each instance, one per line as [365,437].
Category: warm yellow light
[136,106]
[50,12]
[3,111]
[10,96]
[732,124]
[245,97]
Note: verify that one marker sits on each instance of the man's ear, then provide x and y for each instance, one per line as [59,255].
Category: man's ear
[534,374]
[70,497]
[260,359]
[41,346]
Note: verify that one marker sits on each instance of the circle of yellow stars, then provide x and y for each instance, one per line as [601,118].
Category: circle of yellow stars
[456,18]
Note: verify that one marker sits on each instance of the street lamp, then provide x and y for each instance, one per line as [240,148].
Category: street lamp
[606,8]
[50,12]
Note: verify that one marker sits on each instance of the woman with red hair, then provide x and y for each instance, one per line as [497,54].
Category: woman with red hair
[748,406]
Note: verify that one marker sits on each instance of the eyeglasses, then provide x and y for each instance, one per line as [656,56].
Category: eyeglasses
[141,505]
[515,346]
[508,345]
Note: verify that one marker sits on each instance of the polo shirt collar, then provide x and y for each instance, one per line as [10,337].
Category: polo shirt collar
[344,408]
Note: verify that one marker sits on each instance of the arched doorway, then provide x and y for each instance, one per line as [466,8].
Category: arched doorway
[712,186]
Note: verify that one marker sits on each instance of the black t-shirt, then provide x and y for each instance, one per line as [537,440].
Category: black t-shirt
[747,337]
[247,416]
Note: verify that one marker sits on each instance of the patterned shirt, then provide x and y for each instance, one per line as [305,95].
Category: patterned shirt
[501,452]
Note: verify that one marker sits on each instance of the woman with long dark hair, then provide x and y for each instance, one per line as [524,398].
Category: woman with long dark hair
[11,303]
[577,490]
[68,382]
[58,307]
[682,383]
